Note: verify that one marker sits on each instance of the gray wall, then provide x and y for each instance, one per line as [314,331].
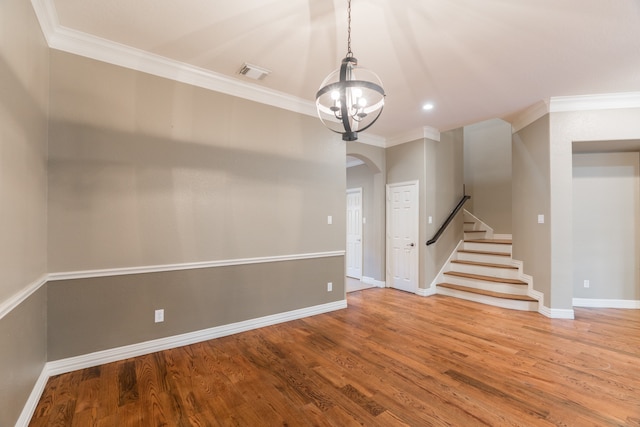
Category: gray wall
[444,167]
[606,225]
[406,162]
[530,194]
[93,314]
[487,172]
[24,91]
[145,171]
[543,184]
[438,167]
[566,129]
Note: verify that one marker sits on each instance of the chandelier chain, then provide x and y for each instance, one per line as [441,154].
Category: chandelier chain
[349,53]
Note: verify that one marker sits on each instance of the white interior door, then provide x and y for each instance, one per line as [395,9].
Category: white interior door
[402,236]
[354,233]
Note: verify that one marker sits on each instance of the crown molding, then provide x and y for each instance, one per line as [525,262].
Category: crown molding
[372,139]
[605,101]
[529,115]
[559,104]
[79,43]
[76,42]
[426,132]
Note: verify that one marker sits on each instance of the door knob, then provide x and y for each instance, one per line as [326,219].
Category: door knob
[411,244]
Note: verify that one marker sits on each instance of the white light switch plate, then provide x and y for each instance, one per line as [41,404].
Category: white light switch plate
[159,315]
[540,219]
[329,220]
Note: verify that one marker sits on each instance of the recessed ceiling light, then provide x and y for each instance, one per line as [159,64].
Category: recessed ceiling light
[428,106]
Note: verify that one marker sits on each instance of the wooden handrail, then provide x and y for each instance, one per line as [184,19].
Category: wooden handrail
[449,219]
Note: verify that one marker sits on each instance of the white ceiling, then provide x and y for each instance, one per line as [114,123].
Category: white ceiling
[474,60]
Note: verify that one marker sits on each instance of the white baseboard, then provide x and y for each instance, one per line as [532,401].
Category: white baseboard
[32,402]
[426,292]
[62,366]
[70,364]
[556,313]
[606,303]
[373,282]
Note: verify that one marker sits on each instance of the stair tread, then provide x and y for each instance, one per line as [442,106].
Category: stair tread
[487,293]
[485,278]
[484,264]
[496,241]
[471,251]
[475,231]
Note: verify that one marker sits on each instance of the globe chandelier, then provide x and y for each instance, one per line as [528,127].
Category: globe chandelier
[351,98]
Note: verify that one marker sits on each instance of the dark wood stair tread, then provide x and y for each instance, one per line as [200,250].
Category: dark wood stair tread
[484,264]
[487,293]
[496,241]
[475,231]
[485,278]
[470,251]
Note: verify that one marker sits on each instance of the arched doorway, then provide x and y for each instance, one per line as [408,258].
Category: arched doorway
[365,257]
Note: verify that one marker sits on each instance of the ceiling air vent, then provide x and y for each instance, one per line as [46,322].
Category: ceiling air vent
[253,71]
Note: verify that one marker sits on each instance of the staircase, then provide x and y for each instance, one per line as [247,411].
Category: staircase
[482,270]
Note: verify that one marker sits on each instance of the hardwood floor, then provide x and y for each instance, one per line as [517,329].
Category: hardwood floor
[390,359]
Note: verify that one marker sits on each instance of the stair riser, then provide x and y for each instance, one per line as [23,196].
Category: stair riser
[492,259]
[466,226]
[503,273]
[505,288]
[496,302]
[475,235]
[487,247]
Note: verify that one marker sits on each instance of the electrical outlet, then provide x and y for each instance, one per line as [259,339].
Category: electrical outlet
[329,286]
[159,315]
[586,284]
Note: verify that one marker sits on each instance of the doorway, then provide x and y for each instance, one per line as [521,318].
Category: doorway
[402,236]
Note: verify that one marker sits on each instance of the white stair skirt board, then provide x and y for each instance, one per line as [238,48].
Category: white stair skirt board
[484,299]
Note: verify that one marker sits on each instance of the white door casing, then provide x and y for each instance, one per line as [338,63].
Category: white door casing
[402,236]
[354,233]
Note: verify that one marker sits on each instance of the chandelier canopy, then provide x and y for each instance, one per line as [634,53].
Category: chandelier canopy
[351,98]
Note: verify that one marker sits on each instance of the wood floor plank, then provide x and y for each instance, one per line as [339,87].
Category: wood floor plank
[390,359]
